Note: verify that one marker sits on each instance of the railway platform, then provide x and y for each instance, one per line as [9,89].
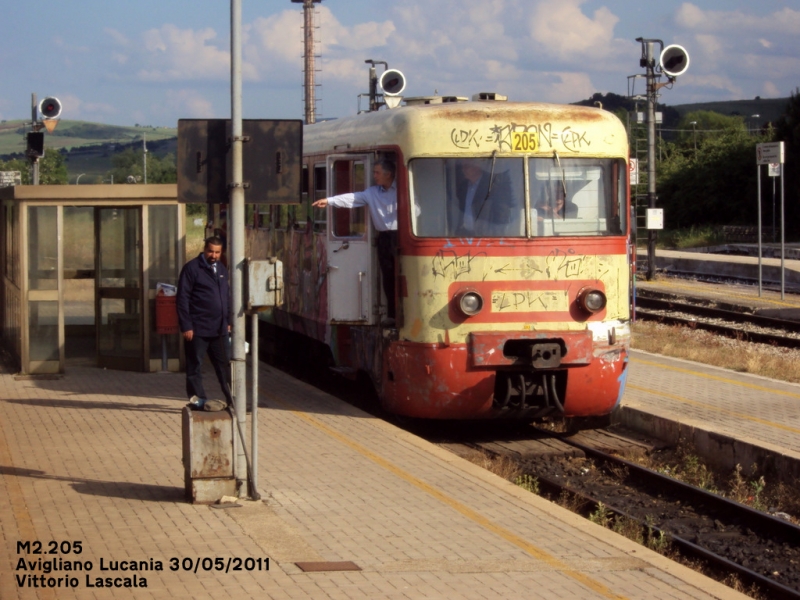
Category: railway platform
[731,418]
[739,261]
[351,507]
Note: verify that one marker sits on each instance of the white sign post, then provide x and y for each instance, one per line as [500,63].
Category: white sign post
[633,171]
[771,154]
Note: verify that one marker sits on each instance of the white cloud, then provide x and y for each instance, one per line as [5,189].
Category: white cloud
[76,108]
[770,90]
[274,46]
[117,37]
[784,21]
[560,29]
[173,54]
[189,104]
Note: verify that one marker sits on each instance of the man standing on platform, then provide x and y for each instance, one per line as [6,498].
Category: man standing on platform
[204,318]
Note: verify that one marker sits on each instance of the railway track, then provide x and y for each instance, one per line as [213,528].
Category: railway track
[722,321]
[760,549]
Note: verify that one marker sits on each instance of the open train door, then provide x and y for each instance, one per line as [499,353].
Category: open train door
[351,268]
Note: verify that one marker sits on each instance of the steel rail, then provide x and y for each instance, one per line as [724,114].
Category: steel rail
[716,313]
[771,526]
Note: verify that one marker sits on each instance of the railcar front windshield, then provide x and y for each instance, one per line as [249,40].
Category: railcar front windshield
[487,197]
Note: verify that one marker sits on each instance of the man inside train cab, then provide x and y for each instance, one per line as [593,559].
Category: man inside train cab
[381,200]
[484,200]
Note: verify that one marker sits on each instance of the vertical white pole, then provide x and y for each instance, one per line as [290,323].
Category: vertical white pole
[236,241]
[254,407]
[783,235]
[759,228]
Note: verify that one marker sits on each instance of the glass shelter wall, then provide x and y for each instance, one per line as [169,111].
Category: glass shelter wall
[43,300]
[79,266]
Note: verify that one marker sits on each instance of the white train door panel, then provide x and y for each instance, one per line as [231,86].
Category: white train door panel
[349,248]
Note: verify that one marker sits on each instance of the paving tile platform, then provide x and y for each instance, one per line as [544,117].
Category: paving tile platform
[95,457]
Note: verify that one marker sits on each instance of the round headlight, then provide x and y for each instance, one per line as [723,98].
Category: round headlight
[470,303]
[591,300]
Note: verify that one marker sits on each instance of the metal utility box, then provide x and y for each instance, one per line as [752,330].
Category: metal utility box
[208,455]
[264,283]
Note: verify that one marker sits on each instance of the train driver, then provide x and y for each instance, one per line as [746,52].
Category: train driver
[485,201]
[381,200]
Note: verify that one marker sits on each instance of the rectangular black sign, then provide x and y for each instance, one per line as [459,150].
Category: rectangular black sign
[272,160]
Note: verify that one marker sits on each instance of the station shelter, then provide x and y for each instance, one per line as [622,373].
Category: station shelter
[80,268]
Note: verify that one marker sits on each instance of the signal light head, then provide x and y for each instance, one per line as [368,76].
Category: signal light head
[50,108]
[591,300]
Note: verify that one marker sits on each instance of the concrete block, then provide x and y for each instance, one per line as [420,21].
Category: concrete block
[207,455]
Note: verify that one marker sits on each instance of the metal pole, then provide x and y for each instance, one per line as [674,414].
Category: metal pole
[144,155]
[254,407]
[651,155]
[759,228]
[34,161]
[774,236]
[236,241]
[783,236]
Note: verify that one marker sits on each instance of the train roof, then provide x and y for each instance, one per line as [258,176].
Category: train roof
[475,128]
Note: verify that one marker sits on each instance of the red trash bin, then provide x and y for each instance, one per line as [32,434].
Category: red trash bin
[166,315]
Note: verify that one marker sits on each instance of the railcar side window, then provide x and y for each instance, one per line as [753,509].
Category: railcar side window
[348,176]
[320,191]
[475,197]
[576,196]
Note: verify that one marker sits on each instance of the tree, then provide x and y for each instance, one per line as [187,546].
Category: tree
[718,186]
[707,124]
[52,170]
[129,164]
[787,130]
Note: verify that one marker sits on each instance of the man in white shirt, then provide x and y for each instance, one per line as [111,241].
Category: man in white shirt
[381,200]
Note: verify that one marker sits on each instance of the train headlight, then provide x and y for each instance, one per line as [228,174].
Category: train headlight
[470,303]
[591,300]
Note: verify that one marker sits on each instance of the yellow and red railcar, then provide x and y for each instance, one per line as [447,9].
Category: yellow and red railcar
[512,296]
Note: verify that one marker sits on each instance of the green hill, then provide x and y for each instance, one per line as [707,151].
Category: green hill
[73,134]
[768,110]
[88,147]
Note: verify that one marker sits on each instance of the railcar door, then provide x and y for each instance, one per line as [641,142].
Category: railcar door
[349,247]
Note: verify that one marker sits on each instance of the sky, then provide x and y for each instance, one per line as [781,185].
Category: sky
[152,62]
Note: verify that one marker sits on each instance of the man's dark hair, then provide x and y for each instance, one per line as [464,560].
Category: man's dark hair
[387,166]
[214,240]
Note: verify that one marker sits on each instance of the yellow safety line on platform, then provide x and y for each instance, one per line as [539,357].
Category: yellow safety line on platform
[459,507]
[713,407]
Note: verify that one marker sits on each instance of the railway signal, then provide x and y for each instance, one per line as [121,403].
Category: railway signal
[672,62]
[50,110]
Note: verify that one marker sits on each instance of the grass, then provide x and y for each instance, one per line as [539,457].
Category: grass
[694,237]
[708,348]
[195,235]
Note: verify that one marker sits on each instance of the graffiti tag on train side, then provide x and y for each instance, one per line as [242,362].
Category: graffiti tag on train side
[529,301]
[564,264]
[502,136]
[450,264]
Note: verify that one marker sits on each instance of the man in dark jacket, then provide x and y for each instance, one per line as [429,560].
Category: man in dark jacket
[204,319]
